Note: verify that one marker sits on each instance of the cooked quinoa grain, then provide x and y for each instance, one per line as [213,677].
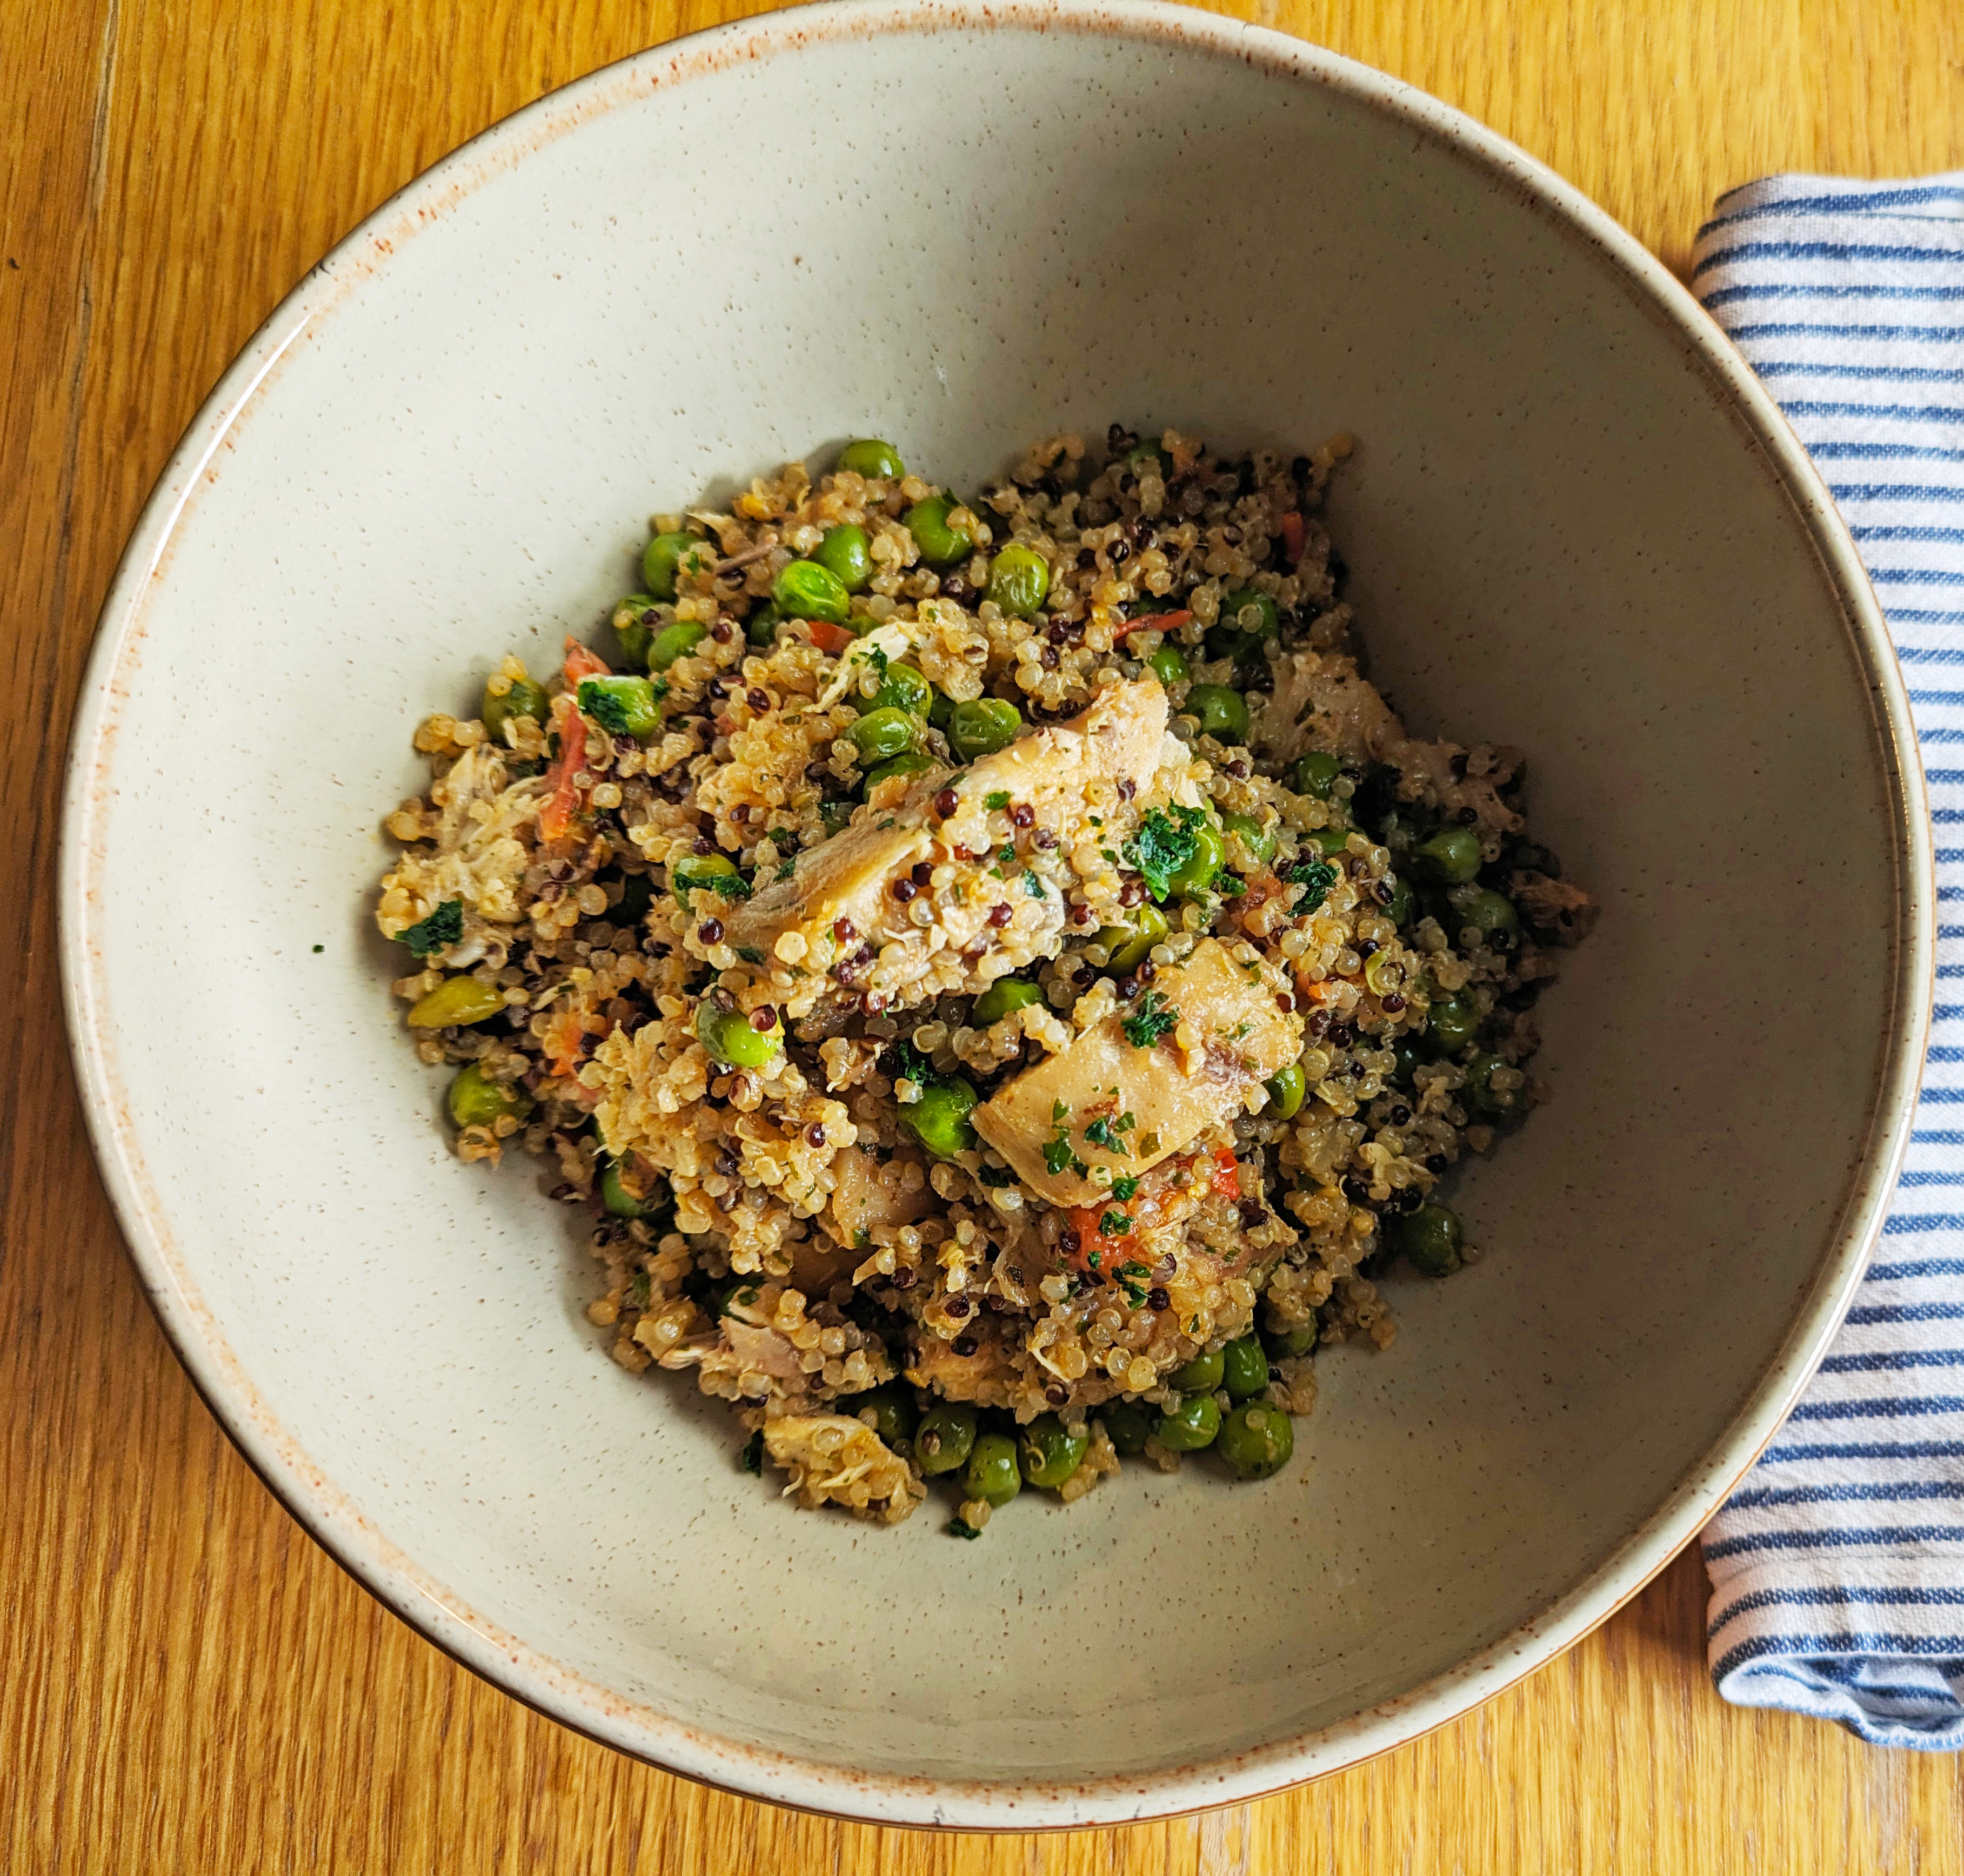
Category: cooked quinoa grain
[979,962]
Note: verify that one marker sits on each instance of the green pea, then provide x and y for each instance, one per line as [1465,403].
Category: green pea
[1006,994]
[805,590]
[1200,1376]
[1018,580]
[1245,619]
[1167,666]
[945,1437]
[892,1405]
[1210,854]
[732,1040]
[1257,1441]
[905,689]
[1314,773]
[1195,1423]
[911,764]
[1480,1094]
[941,712]
[992,1474]
[1049,1454]
[761,628]
[1285,1345]
[1329,841]
[1451,854]
[940,1119]
[1129,943]
[1430,1238]
[524,699]
[1128,1424]
[1404,901]
[845,551]
[662,559]
[617,1201]
[676,641]
[982,726]
[1223,713]
[476,1100]
[631,627]
[700,873]
[1244,1366]
[1286,1088]
[1489,912]
[623,706]
[1259,841]
[882,734]
[939,544]
[456,1000]
[1451,1021]
[870,458]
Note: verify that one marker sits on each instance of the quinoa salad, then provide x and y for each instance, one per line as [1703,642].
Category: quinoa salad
[1004,983]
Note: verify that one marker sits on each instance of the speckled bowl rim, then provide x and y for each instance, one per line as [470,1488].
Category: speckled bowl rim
[545,1685]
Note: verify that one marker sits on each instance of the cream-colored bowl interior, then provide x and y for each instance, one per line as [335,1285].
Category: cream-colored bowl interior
[1564,535]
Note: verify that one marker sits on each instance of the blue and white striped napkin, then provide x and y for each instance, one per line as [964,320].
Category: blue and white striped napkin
[1837,1567]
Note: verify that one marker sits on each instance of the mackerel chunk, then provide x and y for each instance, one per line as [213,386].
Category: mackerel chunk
[835,924]
[1110,1100]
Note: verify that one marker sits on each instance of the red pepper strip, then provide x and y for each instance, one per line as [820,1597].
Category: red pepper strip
[557,816]
[1159,621]
[1293,535]
[1227,1174]
[581,663]
[834,638]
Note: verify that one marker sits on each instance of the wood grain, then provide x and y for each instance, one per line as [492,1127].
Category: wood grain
[186,1683]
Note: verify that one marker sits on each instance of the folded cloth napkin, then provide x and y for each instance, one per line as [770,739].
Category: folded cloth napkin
[1837,1567]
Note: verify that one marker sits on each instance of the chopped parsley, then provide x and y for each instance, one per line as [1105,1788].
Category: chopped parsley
[1058,1111]
[1132,1267]
[909,1064]
[956,1529]
[1156,1017]
[1056,1152]
[750,954]
[1006,851]
[1091,1260]
[1318,876]
[997,1176]
[997,798]
[438,932]
[753,1454]
[1033,885]
[724,885]
[1231,887]
[1164,843]
[1104,1132]
[1124,1187]
[640,1290]
[785,869]
[1115,1224]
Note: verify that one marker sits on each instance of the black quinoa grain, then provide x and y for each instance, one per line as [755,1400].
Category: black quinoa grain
[904,890]
[1157,1300]
[763,1019]
[1436,1162]
[711,931]
[958,1307]
[965,1345]
[946,803]
[1021,815]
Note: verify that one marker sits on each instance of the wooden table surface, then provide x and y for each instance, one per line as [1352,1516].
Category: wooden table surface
[186,1682]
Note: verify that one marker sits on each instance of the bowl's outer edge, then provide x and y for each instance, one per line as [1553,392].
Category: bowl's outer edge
[468,1636]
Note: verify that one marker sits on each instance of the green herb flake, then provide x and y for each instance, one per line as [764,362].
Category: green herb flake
[1101,1133]
[1125,1188]
[753,1454]
[1164,843]
[750,954]
[1057,1153]
[1316,876]
[1033,885]
[785,869]
[956,1529]
[1134,1294]
[1231,888]
[1133,1268]
[997,798]
[724,885]
[1115,1224]
[1058,1111]
[640,1290]
[438,932]
[1156,1017]
[1091,1260]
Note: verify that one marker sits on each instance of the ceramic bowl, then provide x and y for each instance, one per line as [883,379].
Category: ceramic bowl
[1574,523]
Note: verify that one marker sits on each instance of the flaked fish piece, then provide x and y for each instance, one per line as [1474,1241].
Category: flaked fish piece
[1321,701]
[1123,1098]
[834,922]
[834,1459]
